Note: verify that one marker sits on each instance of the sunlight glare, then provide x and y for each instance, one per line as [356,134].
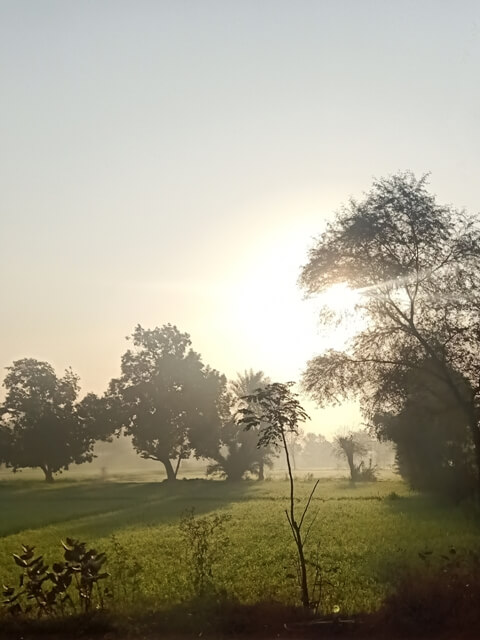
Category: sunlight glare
[340,299]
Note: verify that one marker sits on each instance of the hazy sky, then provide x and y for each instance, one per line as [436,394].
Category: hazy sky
[170,161]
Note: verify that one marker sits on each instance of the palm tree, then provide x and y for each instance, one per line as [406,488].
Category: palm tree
[239,453]
[246,384]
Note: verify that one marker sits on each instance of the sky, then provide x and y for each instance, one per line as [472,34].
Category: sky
[172,161]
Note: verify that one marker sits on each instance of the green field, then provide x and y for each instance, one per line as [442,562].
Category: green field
[365,535]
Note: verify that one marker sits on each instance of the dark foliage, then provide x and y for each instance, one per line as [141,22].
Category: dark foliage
[167,399]
[439,597]
[416,265]
[45,591]
[238,452]
[42,425]
[434,444]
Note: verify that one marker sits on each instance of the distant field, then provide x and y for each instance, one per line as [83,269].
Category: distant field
[364,534]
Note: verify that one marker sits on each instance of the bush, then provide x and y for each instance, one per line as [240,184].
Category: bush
[205,541]
[125,571]
[443,594]
[45,591]
[363,473]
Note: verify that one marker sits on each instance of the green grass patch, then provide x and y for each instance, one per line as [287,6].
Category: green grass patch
[363,536]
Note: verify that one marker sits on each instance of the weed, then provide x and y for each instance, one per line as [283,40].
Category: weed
[125,571]
[205,541]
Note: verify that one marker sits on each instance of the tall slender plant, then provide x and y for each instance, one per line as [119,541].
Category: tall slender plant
[276,412]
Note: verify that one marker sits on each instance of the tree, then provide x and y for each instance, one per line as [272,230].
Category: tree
[243,452]
[166,398]
[317,451]
[434,449]
[5,439]
[351,446]
[246,383]
[42,425]
[276,412]
[238,452]
[416,266]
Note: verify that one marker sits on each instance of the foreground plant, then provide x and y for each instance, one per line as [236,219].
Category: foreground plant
[46,591]
[205,540]
[276,412]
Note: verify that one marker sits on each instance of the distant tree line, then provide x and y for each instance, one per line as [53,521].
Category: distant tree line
[171,405]
[166,399]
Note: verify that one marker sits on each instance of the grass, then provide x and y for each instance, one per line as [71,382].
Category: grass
[364,536]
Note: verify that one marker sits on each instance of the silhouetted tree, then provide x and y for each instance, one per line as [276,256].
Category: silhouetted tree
[5,438]
[42,425]
[434,448]
[238,452]
[352,446]
[417,267]
[166,398]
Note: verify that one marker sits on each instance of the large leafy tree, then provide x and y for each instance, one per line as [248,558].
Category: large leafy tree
[238,452]
[434,449]
[42,425]
[166,398]
[416,264]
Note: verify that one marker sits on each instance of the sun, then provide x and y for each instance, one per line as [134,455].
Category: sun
[340,299]
[276,329]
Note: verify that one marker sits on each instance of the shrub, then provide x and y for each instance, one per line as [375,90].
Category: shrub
[46,591]
[125,571]
[442,594]
[363,473]
[205,541]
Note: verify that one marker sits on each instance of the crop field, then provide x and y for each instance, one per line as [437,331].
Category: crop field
[362,537]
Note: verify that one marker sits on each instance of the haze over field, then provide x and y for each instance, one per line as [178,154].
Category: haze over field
[172,161]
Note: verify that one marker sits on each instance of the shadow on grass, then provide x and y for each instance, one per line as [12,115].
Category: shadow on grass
[100,508]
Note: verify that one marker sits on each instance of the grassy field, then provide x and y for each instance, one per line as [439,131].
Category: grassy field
[364,535]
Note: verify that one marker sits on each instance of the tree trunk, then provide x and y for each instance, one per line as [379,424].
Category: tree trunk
[296,531]
[177,466]
[48,473]
[261,470]
[351,464]
[171,476]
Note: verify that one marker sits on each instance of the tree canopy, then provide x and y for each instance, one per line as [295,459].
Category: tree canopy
[434,449]
[166,398]
[42,425]
[416,265]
